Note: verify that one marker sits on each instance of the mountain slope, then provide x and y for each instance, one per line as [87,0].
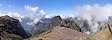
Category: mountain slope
[11,29]
[61,33]
[43,26]
[103,34]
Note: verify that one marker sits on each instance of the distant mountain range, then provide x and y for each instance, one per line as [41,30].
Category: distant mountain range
[83,25]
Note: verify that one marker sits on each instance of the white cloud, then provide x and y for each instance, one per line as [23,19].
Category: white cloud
[30,8]
[30,17]
[14,15]
[35,14]
[101,13]
[94,13]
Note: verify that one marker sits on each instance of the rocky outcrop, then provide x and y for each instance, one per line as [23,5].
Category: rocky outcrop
[70,24]
[43,26]
[11,28]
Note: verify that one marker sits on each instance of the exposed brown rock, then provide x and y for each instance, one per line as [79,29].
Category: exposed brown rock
[61,33]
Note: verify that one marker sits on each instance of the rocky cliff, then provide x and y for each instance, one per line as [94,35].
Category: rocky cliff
[11,29]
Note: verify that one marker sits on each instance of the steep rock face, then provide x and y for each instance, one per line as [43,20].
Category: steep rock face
[43,26]
[11,28]
[56,20]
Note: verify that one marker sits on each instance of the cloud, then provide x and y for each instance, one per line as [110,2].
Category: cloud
[30,17]
[14,15]
[30,8]
[94,14]
[35,14]
[100,12]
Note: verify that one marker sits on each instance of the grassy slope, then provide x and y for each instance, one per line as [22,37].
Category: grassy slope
[103,34]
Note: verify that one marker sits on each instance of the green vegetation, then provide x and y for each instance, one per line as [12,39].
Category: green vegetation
[88,38]
[16,38]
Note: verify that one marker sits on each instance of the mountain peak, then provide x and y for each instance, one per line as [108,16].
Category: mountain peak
[11,28]
[57,17]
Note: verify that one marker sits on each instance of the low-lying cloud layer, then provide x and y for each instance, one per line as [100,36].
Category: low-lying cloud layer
[100,12]
[94,14]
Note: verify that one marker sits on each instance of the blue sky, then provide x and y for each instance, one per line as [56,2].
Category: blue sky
[49,6]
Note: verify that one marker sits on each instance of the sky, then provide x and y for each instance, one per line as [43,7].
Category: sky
[49,6]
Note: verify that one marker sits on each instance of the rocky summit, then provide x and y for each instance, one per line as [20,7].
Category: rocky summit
[11,29]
